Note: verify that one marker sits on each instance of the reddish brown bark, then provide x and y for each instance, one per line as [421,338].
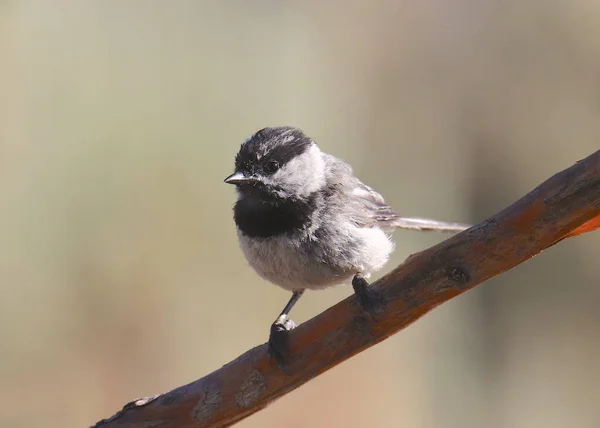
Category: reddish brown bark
[593,224]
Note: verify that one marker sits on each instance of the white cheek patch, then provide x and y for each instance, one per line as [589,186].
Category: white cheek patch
[304,174]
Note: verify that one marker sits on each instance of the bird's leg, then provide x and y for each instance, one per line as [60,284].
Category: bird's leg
[368,300]
[280,328]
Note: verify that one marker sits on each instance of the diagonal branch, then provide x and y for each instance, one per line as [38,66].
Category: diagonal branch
[555,209]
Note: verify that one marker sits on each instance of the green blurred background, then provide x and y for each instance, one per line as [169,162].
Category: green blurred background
[120,273]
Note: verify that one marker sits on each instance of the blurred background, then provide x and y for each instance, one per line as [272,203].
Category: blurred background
[120,272]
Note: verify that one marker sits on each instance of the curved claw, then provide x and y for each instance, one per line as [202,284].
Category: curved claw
[368,300]
[278,340]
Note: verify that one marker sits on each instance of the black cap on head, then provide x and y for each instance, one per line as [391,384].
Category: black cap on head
[270,149]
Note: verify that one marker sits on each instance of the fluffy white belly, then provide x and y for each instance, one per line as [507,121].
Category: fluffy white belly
[311,264]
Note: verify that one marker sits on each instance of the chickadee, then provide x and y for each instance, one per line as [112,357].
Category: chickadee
[305,222]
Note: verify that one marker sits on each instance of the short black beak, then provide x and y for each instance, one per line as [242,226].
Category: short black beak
[239,178]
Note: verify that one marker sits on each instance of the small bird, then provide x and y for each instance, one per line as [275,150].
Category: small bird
[305,222]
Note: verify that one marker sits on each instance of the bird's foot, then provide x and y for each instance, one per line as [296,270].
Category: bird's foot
[278,341]
[369,300]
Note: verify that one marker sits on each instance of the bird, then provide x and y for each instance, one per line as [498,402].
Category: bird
[304,221]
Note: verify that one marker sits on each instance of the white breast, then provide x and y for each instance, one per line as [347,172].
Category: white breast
[311,264]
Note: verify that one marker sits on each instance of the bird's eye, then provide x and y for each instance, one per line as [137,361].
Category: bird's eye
[272,166]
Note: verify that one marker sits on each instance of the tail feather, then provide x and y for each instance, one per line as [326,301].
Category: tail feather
[416,223]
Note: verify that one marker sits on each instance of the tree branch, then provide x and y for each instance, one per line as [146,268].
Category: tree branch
[425,280]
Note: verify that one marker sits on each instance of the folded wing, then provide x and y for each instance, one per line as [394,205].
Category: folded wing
[384,216]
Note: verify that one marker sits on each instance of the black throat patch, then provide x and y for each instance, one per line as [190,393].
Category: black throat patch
[259,217]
